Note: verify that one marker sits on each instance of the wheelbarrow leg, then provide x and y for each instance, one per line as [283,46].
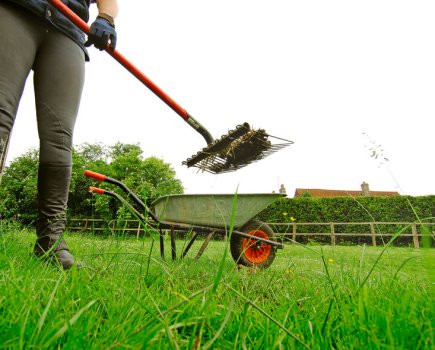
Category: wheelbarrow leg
[162,245]
[173,247]
[189,245]
[204,245]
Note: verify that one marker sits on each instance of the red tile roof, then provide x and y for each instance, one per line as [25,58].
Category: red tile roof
[316,192]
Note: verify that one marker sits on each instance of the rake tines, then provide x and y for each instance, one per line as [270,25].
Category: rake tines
[236,150]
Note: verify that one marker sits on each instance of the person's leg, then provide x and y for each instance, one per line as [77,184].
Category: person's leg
[58,80]
[19,41]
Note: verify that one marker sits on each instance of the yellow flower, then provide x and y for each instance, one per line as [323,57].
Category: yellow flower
[330,260]
[292,219]
[285,214]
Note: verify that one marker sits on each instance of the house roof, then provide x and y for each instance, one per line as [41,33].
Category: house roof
[316,192]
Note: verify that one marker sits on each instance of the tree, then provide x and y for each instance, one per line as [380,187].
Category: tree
[86,156]
[18,188]
[148,178]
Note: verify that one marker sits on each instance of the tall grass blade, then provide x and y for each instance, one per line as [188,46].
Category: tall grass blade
[221,328]
[390,242]
[149,259]
[398,270]
[426,237]
[328,275]
[23,330]
[224,255]
[268,316]
[325,321]
[361,263]
[41,320]
[71,322]
[171,309]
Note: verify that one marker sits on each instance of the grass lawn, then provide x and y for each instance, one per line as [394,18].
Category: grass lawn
[126,297]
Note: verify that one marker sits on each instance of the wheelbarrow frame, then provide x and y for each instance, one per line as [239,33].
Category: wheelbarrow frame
[152,220]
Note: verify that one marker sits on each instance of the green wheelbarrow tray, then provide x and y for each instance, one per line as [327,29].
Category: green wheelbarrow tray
[215,210]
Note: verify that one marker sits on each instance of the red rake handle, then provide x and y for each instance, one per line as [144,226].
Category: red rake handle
[67,12]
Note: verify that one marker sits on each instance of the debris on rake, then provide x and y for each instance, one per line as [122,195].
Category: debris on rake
[235,150]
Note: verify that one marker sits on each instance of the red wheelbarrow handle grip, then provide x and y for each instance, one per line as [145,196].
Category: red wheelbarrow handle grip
[67,12]
[94,175]
[96,190]
[101,177]
[111,180]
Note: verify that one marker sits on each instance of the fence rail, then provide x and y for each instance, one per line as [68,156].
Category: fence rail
[336,231]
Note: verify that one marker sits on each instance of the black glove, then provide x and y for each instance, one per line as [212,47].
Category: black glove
[101,32]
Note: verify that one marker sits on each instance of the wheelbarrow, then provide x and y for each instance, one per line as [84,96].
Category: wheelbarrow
[252,242]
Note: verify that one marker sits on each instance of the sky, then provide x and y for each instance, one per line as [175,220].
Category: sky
[351,83]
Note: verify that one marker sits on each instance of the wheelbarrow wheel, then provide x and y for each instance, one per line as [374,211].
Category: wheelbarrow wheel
[249,252]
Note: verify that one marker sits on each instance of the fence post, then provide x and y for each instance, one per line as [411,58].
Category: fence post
[294,232]
[332,233]
[138,229]
[415,236]
[372,231]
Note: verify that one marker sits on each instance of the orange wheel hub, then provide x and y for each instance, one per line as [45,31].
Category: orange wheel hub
[254,251]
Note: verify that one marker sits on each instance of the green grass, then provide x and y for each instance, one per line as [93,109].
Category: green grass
[127,297]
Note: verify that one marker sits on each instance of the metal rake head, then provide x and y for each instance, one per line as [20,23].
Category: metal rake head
[235,150]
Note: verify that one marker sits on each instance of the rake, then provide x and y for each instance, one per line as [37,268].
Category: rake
[239,147]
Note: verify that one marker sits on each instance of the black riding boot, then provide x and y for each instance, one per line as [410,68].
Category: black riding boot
[53,187]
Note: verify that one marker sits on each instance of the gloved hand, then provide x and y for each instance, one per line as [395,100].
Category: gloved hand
[101,33]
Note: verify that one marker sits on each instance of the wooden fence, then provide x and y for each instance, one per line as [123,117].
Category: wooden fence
[332,232]
[348,231]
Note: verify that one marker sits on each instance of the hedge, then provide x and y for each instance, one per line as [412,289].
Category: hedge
[350,209]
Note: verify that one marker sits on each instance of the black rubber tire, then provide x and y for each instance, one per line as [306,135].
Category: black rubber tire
[253,254]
